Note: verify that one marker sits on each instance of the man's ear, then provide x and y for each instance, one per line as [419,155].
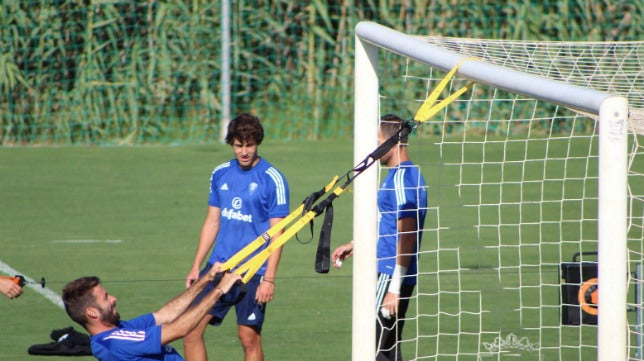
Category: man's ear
[92,312]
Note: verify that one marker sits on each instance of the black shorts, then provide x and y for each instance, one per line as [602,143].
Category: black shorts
[249,312]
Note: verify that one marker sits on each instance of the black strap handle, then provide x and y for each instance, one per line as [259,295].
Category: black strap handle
[323,254]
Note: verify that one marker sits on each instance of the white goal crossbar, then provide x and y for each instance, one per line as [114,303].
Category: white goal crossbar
[612,115]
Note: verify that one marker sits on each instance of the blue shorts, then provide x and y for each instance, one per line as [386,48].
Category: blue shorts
[249,312]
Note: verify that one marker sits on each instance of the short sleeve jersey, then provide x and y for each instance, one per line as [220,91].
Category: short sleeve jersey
[138,339]
[403,194]
[248,199]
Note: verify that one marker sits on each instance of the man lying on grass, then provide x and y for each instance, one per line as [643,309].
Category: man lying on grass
[148,336]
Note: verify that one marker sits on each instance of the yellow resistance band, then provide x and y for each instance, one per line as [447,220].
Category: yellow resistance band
[252,265]
[428,109]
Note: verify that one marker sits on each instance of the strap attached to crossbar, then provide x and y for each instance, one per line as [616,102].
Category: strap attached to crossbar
[428,109]
[308,210]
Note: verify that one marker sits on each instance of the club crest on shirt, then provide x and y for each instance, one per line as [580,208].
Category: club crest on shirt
[236,203]
[252,187]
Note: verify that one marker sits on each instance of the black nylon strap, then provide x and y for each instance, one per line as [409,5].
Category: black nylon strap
[405,129]
[323,255]
[308,205]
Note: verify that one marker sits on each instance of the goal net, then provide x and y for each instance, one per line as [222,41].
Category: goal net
[535,214]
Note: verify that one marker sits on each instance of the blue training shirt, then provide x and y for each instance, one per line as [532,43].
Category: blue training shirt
[138,339]
[402,194]
[248,199]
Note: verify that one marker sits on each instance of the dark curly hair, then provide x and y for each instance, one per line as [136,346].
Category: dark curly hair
[245,127]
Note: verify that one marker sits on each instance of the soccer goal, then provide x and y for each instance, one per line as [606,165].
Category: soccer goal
[533,239]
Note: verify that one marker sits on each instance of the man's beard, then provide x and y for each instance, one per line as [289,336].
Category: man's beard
[110,318]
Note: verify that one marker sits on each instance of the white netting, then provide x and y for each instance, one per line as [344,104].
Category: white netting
[513,204]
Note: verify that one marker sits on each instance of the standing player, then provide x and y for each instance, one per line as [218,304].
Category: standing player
[247,197]
[402,205]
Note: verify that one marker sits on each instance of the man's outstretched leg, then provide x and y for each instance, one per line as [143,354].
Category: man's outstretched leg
[194,345]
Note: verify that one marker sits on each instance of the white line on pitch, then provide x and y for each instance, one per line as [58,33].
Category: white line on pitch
[88,241]
[46,292]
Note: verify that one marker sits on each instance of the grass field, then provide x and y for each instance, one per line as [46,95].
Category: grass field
[132,216]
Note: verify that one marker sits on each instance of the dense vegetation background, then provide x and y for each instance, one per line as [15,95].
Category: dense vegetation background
[130,72]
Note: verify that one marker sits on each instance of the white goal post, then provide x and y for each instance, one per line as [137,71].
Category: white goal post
[373,42]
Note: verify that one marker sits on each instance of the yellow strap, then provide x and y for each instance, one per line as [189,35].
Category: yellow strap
[251,266]
[266,236]
[428,109]
[259,241]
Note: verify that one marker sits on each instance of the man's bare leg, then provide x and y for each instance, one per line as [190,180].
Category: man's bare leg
[194,347]
[251,341]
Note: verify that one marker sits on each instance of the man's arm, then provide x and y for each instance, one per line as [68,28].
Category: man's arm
[175,307]
[207,237]
[189,319]
[407,242]
[266,289]
[406,249]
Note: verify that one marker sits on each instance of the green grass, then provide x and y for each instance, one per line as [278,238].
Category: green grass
[153,199]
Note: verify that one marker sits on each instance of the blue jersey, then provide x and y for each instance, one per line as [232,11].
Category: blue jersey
[403,194]
[248,199]
[138,339]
